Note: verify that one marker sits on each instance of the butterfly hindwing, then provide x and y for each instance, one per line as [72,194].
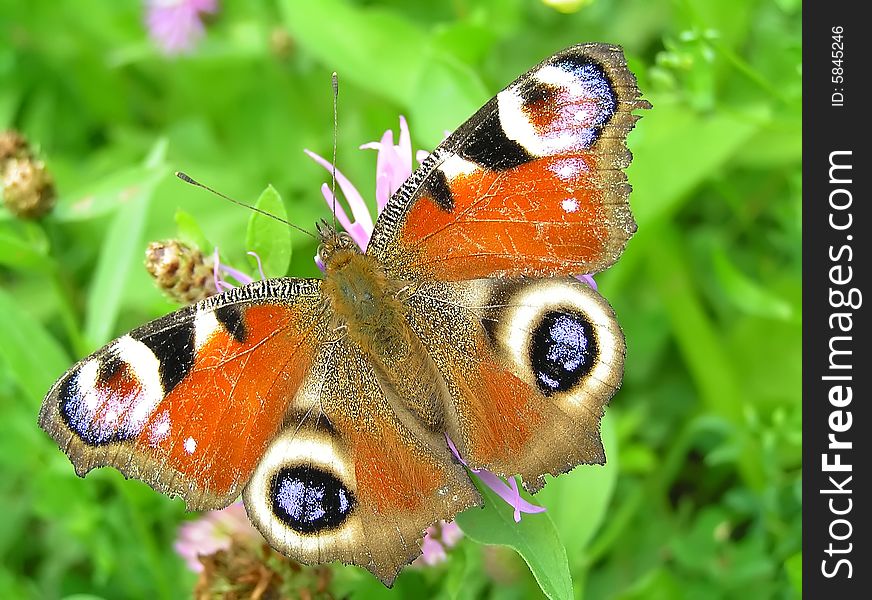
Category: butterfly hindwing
[353,477]
[188,403]
[528,365]
[532,184]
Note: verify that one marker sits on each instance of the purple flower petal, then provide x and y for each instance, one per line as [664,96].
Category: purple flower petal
[383,168]
[175,25]
[451,533]
[588,279]
[361,230]
[357,231]
[393,164]
[320,264]
[220,271]
[213,531]
[259,266]
[511,495]
[404,147]
[432,552]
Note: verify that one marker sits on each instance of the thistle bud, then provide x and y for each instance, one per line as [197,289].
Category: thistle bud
[28,189]
[12,145]
[243,572]
[182,272]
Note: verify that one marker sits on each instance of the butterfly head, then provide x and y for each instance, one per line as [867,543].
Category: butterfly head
[334,244]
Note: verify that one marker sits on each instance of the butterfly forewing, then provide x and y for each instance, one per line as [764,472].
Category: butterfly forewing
[530,185]
[189,402]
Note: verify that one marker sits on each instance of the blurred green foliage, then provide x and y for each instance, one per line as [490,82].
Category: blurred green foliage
[701,496]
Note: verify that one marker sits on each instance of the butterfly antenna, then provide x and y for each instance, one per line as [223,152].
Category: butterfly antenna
[187,179]
[334,80]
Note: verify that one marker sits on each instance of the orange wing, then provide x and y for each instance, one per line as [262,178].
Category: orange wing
[354,477]
[528,366]
[532,184]
[188,403]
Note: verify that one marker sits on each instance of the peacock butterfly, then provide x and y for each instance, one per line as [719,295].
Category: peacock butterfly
[327,402]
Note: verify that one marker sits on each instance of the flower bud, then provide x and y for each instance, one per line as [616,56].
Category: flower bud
[182,272]
[28,189]
[12,145]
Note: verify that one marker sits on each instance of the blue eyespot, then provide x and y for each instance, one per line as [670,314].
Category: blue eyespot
[309,500]
[563,350]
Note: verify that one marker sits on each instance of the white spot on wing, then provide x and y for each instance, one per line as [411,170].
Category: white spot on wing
[454,166]
[570,205]
[205,324]
[160,428]
[551,75]
[86,380]
[190,445]
[117,408]
[145,366]
[569,168]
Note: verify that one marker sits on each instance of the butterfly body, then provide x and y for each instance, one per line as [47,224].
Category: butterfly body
[327,402]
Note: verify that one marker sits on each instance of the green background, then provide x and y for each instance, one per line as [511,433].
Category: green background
[701,494]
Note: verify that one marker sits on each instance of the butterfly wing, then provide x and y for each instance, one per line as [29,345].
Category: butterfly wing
[532,184]
[257,389]
[188,403]
[353,477]
[528,366]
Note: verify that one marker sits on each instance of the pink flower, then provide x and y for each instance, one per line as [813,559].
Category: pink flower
[212,532]
[588,279]
[176,25]
[221,271]
[508,492]
[393,167]
[439,537]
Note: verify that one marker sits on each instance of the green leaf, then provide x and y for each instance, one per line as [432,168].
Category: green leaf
[793,566]
[674,150]
[414,69]
[447,93]
[101,197]
[24,247]
[746,294]
[190,233]
[269,238]
[534,538]
[35,359]
[121,248]
[699,341]
[578,501]
[357,35]
[657,584]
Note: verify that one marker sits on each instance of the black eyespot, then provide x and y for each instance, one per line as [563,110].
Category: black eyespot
[309,500]
[563,350]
